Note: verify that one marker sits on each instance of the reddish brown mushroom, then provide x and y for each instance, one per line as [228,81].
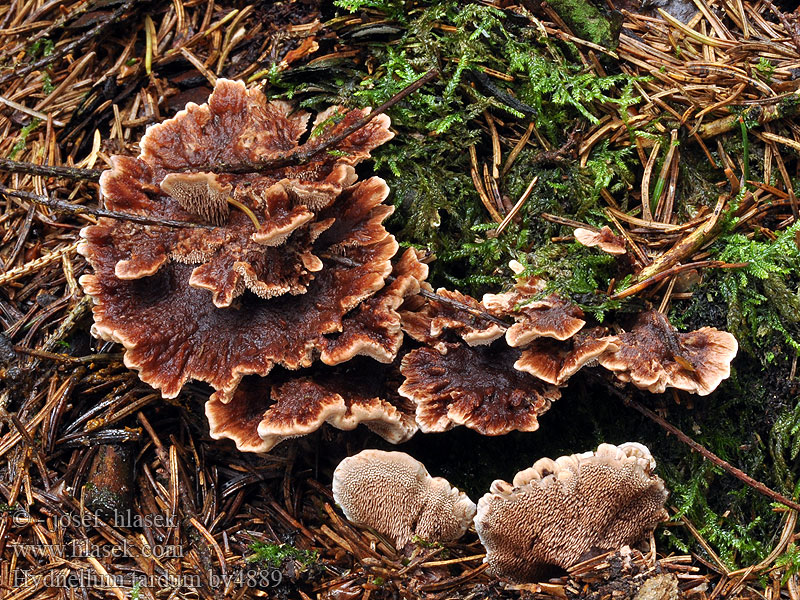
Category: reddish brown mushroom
[262,414]
[558,512]
[603,239]
[374,328]
[477,387]
[654,356]
[552,316]
[393,493]
[556,361]
[217,304]
[429,322]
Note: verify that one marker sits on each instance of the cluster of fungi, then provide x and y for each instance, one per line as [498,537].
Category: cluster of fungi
[286,294]
[289,277]
[572,507]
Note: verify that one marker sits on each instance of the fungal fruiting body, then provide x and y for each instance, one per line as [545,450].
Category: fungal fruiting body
[253,288]
[286,270]
[393,493]
[557,512]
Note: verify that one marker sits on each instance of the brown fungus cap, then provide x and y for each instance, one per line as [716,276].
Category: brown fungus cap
[654,356]
[217,304]
[552,317]
[559,511]
[374,327]
[393,493]
[603,239]
[556,361]
[261,414]
[429,322]
[477,387]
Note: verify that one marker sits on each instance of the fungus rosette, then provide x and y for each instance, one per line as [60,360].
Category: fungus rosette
[552,316]
[231,299]
[265,411]
[557,512]
[476,387]
[555,361]
[452,312]
[654,356]
[463,376]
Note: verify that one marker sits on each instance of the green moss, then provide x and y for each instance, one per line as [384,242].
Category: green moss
[763,297]
[587,22]
[275,555]
[19,146]
[427,165]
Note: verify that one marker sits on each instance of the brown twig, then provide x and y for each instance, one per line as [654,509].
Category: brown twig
[13,166]
[702,264]
[77,209]
[686,246]
[710,456]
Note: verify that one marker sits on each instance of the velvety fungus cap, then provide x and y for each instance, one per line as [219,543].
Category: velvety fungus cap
[251,292]
[476,387]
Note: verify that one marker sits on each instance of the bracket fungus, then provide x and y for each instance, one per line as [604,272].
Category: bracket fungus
[393,493]
[462,376]
[654,356]
[477,387]
[263,412]
[429,323]
[556,361]
[557,512]
[552,316]
[249,291]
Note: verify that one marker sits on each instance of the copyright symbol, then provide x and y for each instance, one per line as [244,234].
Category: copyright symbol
[20,517]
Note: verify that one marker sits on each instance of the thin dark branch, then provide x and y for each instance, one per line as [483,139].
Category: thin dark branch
[76,209]
[705,452]
[13,166]
[349,262]
[311,149]
[459,305]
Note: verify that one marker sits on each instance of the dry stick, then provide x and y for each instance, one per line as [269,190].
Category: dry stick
[713,264]
[67,48]
[77,209]
[308,150]
[708,455]
[513,212]
[564,221]
[686,246]
[13,166]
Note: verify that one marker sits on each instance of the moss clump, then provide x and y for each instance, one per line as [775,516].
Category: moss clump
[276,555]
[587,22]
[490,61]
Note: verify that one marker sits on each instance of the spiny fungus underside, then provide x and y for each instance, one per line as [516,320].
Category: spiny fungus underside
[255,295]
